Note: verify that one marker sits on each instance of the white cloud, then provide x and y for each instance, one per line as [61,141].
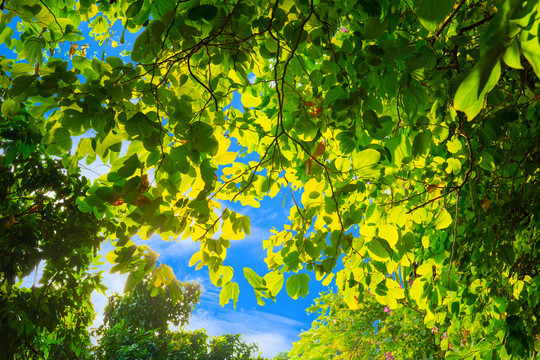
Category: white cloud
[273,333]
[169,249]
[271,344]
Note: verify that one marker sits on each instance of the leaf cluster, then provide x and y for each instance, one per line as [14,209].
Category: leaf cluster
[41,225]
[372,331]
[405,132]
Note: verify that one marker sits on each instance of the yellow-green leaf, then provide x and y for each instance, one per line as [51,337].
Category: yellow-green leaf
[298,285]
[483,77]
[443,220]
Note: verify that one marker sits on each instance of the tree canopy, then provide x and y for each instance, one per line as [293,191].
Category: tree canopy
[373,331]
[40,223]
[405,132]
[136,327]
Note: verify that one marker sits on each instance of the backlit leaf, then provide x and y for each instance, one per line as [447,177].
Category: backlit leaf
[432,12]
[298,285]
[443,220]
[469,96]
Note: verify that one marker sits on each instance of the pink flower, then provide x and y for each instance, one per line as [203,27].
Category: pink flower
[389,356]
[344,30]
[387,310]
[435,330]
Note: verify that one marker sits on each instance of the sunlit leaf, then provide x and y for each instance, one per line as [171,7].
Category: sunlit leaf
[443,220]
[298,285]
[432,12]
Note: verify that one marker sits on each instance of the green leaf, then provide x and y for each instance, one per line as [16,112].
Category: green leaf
[131,281]
[389,232]
[407,241]
[417,290]
[414,98]
[512,56]
[10,108]
[274,282]
[208,172]
[22,84]
[454,145]
[486,161]
[58,141]
[366,163]
[108,194]
[454,166]
[206,12]
[33,49]
[531,51]
[443,220]
[334,94]
[422,143]
[297,285]
[347,141]
[246,225]
[375,28]
[483,77]
[432,12]
[131,165]
[141,46]
[249,101]
[371,121]
[507,254]
[176,291]
[134,8]
[254,279]
[5,35]
[229,291]
[379,248]
[180,157]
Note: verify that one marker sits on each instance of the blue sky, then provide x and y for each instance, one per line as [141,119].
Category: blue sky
[273,326]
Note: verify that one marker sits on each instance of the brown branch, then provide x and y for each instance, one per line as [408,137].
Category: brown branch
[203,85]
[426,203]
[55,19]
[294,200]
[455,236]
[475,25]
[211,227]
[397,108]
[450,18]
[392,203]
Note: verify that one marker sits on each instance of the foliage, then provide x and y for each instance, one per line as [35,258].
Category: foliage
[281,355]
[372,331]
[135,327]
[40,223]
[150,308]
[406,133]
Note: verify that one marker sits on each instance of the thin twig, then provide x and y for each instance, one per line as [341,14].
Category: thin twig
[476,24]
[455,236]
[450,18]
